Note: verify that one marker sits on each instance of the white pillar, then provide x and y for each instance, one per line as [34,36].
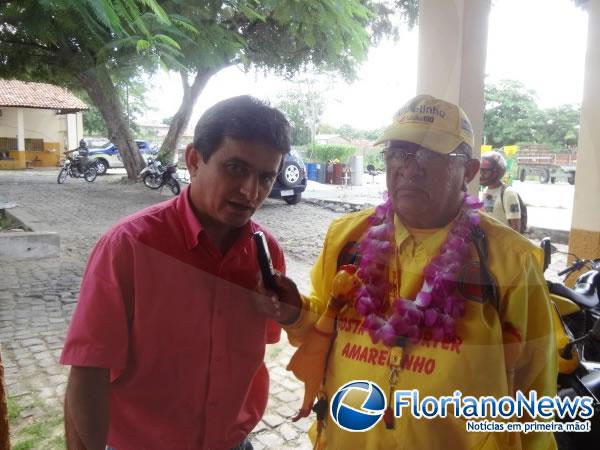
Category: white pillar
[585,233]
[20,130]
[79,118]
[72,140]
[452,53]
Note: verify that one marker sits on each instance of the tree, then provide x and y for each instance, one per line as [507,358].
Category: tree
[90,45]
[560,126]
[303,106]
[350,133]
[511,114]
[285,36]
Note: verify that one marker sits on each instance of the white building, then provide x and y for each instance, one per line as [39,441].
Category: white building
[38,121]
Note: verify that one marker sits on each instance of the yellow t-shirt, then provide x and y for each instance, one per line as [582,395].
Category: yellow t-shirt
[474,363]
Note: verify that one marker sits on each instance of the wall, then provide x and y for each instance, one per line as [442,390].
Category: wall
[39,124]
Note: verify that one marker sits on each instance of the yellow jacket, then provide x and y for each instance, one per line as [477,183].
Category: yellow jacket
[478,363]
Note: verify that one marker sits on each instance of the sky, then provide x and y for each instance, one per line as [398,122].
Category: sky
[538,42]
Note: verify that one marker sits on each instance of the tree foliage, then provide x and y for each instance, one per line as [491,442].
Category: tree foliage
[283,36]
[512,116]
[88,45]
[303,106]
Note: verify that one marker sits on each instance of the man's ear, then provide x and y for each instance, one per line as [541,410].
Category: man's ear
[471,169]
[192,158]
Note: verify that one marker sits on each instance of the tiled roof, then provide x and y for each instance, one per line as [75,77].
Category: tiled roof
[38,95]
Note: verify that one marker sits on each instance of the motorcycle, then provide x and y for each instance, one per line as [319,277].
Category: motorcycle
[581,309]
[155,176]
[70,169]
[577,330]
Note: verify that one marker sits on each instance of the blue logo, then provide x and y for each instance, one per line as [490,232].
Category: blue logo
[358,405]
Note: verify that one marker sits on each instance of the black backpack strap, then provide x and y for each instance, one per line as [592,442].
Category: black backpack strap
[502,197]
[489,289]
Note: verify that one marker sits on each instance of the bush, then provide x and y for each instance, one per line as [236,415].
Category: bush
[327,152]
[375,159]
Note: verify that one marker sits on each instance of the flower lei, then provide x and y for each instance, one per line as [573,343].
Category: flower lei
[436,307]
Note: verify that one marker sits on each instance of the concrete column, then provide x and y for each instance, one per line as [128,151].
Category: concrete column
[20,130]
[79,119]
[584,239]
[72,140]
[20,155]
[452,52]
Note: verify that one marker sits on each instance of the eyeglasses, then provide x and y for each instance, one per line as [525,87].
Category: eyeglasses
[398,156]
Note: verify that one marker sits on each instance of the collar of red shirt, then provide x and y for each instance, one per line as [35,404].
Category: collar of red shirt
[191,225]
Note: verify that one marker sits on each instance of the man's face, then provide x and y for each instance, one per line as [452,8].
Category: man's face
[234,182]
[426,187]
[487,173]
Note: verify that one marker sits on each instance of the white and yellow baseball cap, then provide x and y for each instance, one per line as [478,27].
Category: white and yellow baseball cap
[431,123]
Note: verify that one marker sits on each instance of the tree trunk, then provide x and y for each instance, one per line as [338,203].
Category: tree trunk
[103,93]
[182,116]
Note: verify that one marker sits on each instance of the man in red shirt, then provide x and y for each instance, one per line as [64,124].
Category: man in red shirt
[168,338]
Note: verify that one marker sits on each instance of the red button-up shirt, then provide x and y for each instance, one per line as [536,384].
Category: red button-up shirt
[174,321]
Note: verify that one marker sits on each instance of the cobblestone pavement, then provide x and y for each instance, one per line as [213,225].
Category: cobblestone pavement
[37,297]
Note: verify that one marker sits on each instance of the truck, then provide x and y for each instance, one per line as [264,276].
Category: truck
[549,166]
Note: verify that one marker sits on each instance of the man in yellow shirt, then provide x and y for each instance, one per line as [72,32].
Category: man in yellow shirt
[449,300]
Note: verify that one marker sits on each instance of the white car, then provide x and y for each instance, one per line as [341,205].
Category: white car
[108,156]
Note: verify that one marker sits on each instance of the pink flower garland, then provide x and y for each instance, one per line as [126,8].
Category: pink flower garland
[436,307]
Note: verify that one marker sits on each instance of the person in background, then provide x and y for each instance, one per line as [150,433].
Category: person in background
[81,160]
[499,200]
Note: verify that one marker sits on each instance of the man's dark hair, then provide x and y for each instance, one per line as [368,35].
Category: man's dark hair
[243,118]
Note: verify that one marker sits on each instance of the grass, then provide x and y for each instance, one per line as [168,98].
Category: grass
[45,432]
[8,222]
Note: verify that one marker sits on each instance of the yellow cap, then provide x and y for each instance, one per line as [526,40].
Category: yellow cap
[431,123]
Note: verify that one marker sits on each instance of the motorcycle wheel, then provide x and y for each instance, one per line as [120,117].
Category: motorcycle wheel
[90,175]
[62,176]
[174,185]
[152,181]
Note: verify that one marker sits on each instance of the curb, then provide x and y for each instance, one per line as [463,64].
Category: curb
[23,245]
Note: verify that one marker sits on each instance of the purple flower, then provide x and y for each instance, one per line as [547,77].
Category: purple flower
[437,334]
[365,306]
[436,306]
[423,299]
[373,322]
[473,202]
[388,334]
[401,305]
[414,333]
[431,317]
[381,232]
[444,286]
[399,324]
[413,315]
[449,325]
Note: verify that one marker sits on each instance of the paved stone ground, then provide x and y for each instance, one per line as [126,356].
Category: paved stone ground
[37,297]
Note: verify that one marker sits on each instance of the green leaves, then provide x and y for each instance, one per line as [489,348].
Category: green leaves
[512,116]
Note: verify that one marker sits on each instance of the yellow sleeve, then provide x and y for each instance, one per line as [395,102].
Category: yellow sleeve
[527,308]
[315,303]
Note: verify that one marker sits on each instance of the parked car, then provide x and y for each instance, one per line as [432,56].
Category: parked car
[108,156]
[291,180]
